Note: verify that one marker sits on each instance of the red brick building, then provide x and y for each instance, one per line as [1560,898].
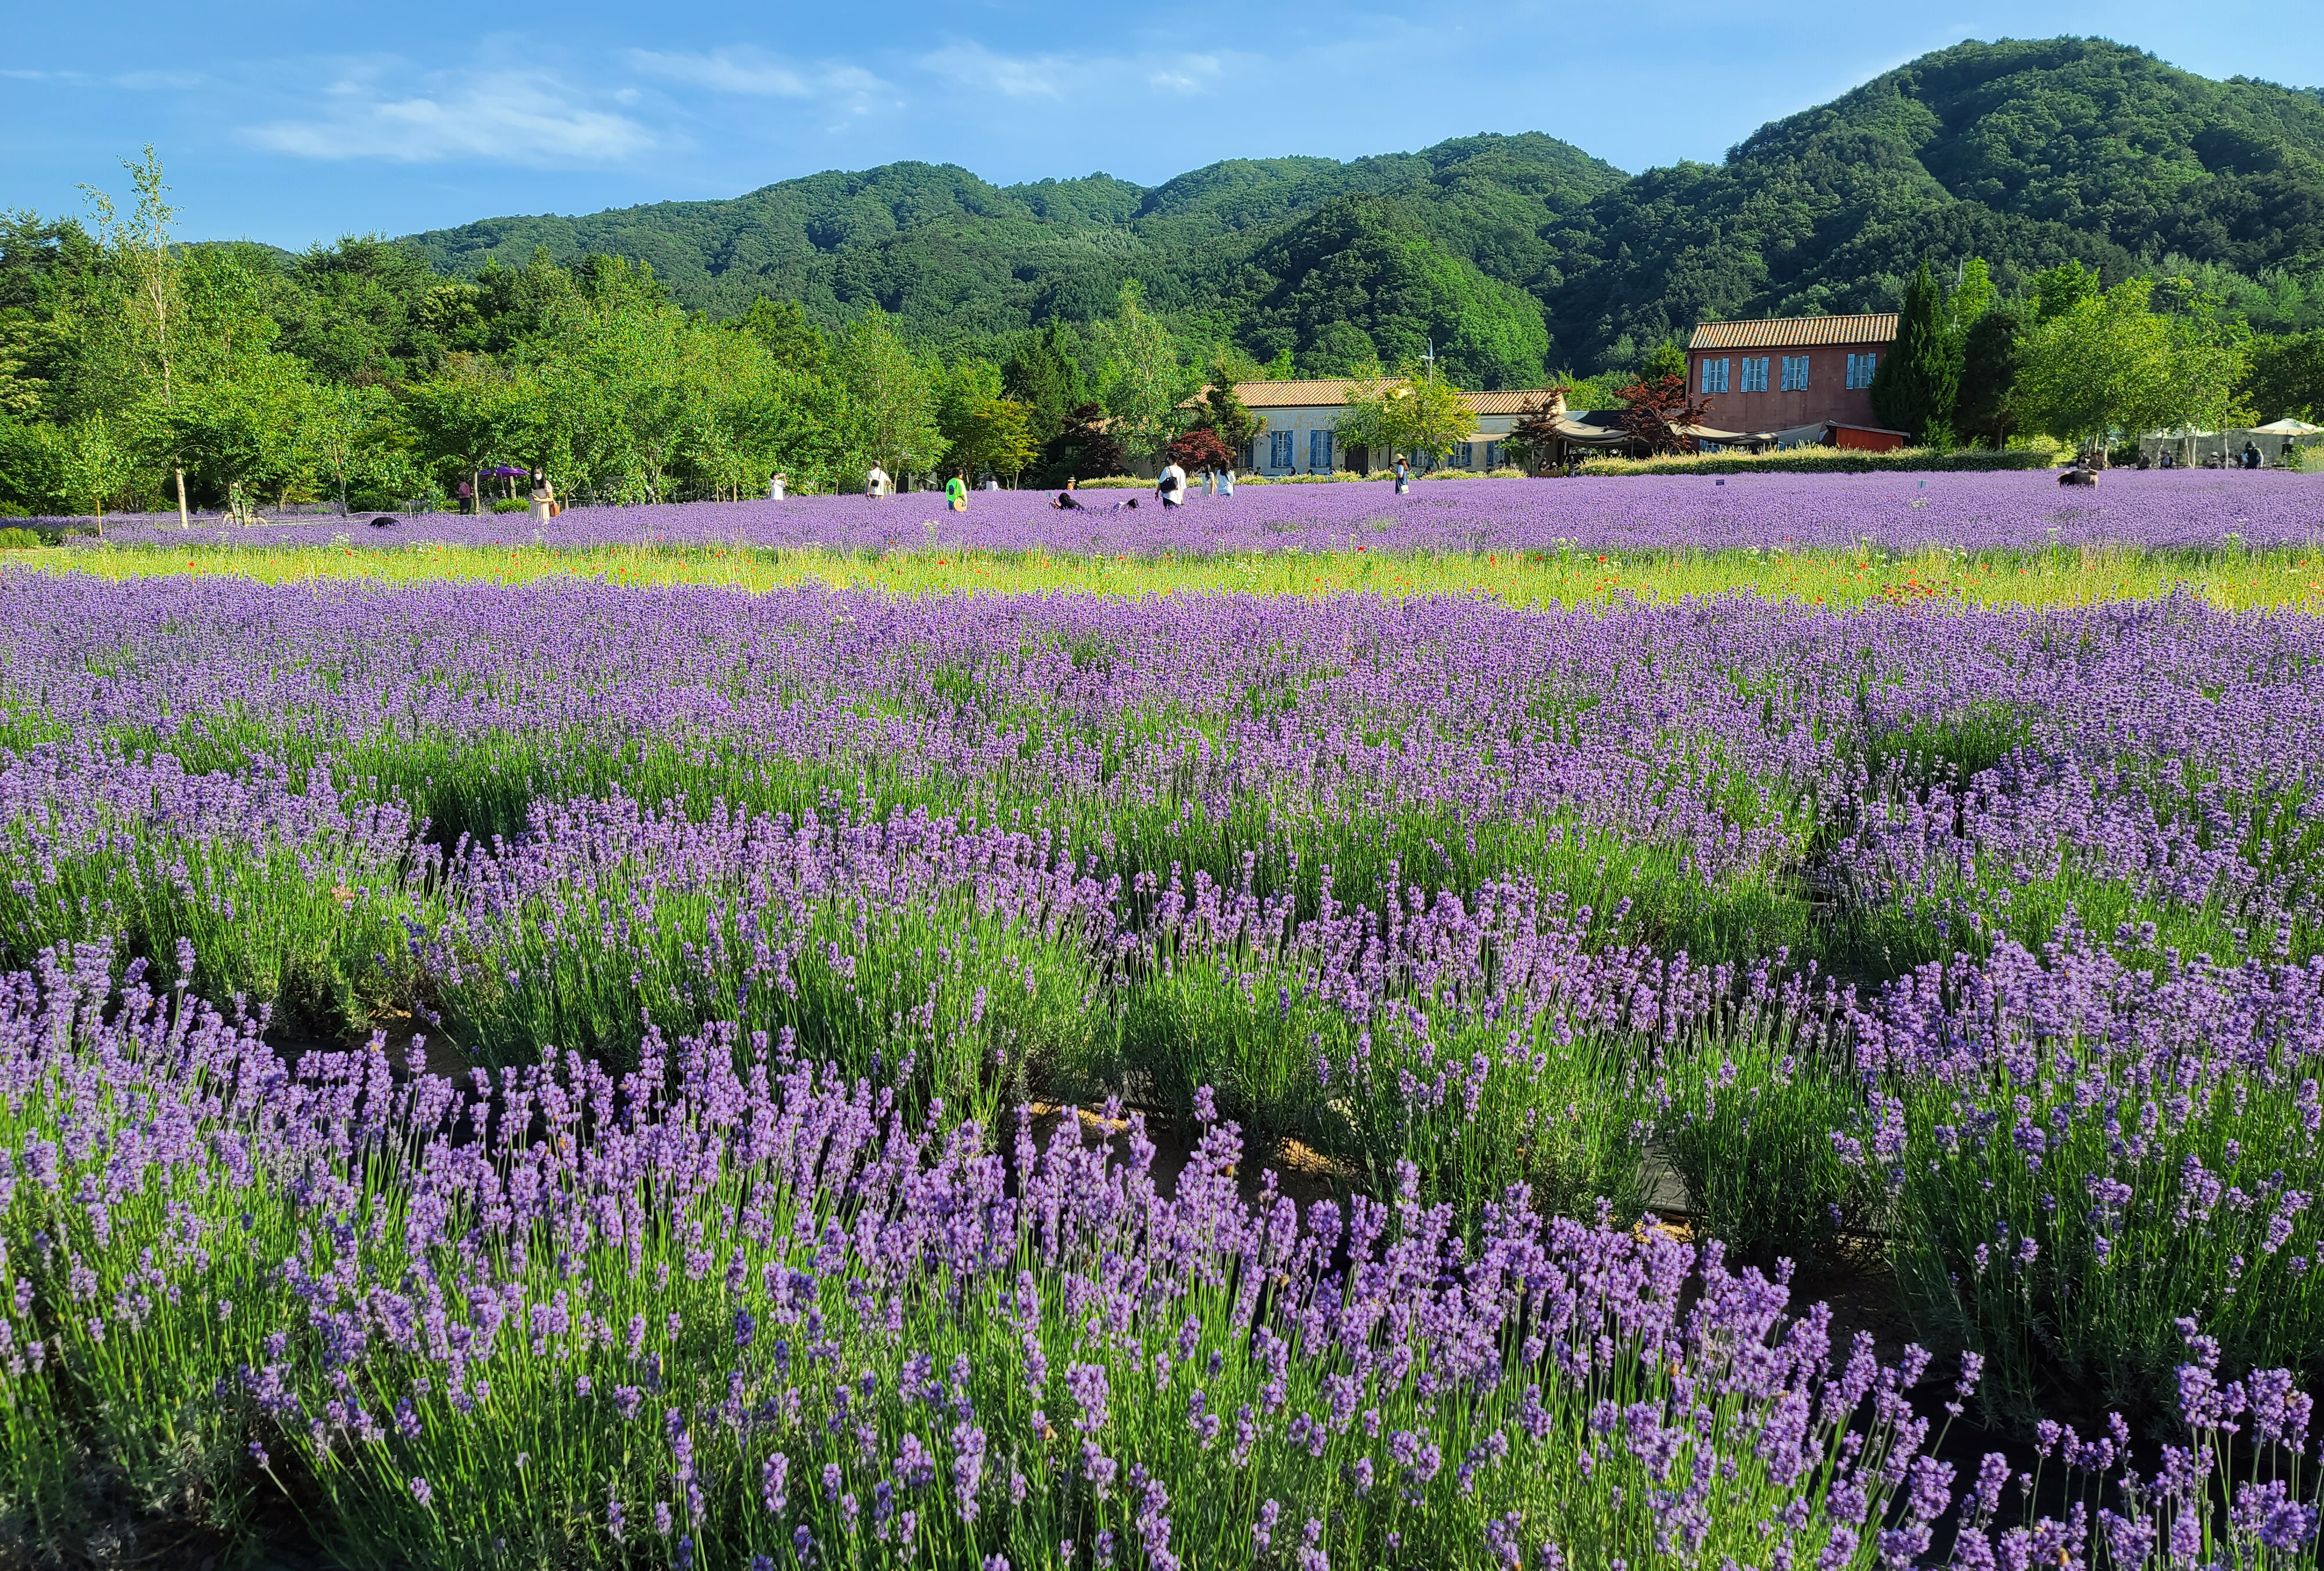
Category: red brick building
[1780,374]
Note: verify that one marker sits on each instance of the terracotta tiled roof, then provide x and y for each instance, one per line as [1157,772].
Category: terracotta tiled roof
[1515,402]
[1796,332]
[1327,391]
[1292,394]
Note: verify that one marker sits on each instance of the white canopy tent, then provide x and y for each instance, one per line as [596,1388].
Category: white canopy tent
[2191,448]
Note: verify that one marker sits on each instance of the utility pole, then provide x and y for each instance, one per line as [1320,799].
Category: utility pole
[1430,358]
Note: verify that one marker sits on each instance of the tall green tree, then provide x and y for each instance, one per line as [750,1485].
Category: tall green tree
[982,427]
[1044,374]
[1411,413]
[1145,383]
[2061,289]
[892,395]
[95,467]
[468,417]
[789,335]
[140,337]
[2102,365]
[1914,388]
[1984,409]
[2287,375]
[339,420]
[1665,359]
[2211,358]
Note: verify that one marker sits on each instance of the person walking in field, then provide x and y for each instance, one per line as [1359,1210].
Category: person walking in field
[1170,486]
[876,483]
[956,495]
[544,498]
[1402,476]
[775,484]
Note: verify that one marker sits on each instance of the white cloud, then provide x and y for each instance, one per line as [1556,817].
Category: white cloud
[973,65]
[503,119]
[1048,76]
[1192,73]
[144,82]
[746,69]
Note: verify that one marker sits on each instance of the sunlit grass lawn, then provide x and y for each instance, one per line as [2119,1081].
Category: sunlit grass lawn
[2061,575]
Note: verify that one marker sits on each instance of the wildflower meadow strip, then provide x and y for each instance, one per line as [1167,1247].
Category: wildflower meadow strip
[715,1314]
[1975,512]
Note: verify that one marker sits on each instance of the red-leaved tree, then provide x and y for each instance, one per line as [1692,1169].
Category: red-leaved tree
[1653,411]
[1199,449]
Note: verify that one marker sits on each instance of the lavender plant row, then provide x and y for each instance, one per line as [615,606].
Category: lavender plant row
[1997,1117]
[1697,759]
[731,1311]
[2003,510]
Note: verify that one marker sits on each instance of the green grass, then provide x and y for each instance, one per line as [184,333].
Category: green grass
[2061,575]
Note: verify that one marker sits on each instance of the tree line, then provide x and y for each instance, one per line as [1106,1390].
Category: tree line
[139,373]
[2081,363]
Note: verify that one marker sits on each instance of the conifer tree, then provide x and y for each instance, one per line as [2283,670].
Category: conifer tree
[1914,388]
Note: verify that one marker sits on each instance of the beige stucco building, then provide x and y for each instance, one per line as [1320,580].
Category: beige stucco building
[1297,422]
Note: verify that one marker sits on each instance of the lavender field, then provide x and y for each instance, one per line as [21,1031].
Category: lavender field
[562,1074]
[1993,511]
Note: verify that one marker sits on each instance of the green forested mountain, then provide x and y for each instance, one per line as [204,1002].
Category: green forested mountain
[1445,230]
[1523,252]
[2025,154]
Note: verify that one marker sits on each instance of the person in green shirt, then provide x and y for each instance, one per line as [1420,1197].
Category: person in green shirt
[956,495]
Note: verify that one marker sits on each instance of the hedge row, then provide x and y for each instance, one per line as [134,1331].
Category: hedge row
[1825,461]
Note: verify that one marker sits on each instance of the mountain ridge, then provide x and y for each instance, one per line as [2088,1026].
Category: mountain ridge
[2028,152]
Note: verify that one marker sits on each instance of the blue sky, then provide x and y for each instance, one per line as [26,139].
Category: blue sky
[296,123]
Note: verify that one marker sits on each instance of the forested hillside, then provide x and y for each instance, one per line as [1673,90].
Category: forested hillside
[2025,154]
[959,260]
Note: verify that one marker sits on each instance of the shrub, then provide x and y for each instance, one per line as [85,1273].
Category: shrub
[1824,461]
[2085,1155]
[705,1313]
